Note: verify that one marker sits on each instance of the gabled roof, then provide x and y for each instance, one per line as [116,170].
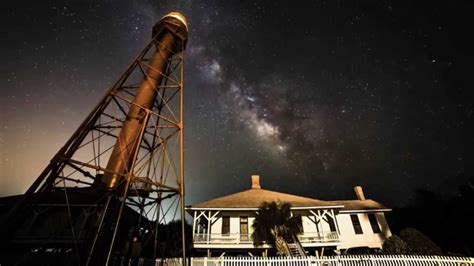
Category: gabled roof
[254,198]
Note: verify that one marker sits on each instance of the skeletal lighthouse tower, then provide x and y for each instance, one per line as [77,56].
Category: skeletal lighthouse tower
[120,177]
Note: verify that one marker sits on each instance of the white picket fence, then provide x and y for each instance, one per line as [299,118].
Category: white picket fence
[344,260]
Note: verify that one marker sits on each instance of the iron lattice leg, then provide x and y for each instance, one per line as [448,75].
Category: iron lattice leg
[126,161]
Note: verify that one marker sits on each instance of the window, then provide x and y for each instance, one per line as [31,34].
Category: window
[356,224]
[225,225]
[374,223]
[244,228]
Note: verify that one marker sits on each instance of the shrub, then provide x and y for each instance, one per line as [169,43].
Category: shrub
[395,246]
[418,243]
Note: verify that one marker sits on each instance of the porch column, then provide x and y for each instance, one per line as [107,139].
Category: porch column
[209,227]
[319,225]
[337,224]
[194,224]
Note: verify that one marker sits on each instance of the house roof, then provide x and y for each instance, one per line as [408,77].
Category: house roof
[253,198]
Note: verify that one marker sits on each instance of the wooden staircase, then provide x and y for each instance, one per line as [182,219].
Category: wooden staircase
[293,249]
[296,249]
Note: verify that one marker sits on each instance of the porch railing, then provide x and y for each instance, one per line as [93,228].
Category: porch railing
[307,237]
[222,239]
[319,237]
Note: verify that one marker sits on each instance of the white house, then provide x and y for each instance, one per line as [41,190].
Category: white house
[224,224]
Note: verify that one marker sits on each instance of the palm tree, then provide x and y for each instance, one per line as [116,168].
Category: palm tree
[275,225]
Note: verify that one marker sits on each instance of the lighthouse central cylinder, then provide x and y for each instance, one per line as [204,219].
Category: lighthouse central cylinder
[167,43]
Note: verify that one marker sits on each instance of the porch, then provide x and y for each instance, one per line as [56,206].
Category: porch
[306,239]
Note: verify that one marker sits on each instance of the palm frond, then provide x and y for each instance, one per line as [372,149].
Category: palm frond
[275,220]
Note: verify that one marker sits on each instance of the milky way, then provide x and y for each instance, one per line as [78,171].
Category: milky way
[315,97]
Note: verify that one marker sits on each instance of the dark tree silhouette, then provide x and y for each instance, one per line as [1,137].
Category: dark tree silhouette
[275,225]
[170,245]
[446,218]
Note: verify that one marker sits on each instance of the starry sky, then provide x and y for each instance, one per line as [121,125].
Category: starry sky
[314,96]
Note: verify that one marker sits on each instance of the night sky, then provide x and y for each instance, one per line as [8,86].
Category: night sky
[315,96]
